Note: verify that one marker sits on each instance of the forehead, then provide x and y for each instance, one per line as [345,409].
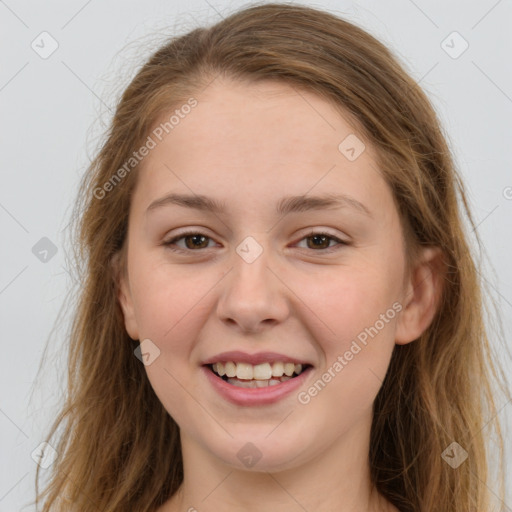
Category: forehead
[275,117]
[260,140]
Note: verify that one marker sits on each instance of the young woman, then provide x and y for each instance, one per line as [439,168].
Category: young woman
[280,309]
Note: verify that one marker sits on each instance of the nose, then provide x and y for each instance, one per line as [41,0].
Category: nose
[253,296]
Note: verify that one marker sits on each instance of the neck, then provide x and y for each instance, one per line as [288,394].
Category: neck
[336,479]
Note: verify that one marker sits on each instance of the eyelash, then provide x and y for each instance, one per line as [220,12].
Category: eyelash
[170,242]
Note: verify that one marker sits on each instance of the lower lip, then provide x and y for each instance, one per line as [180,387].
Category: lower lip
[255,396]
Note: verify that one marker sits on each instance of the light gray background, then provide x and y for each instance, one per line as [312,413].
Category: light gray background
[54,110]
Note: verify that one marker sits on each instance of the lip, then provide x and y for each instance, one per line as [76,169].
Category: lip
[255,396]
[261,357]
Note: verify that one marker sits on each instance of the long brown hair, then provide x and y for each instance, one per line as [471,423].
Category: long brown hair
[118,448]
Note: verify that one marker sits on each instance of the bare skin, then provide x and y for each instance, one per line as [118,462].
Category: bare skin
[305,297]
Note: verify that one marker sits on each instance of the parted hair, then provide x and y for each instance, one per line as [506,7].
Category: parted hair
[119,450]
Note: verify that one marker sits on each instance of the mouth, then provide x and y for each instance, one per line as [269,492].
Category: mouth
[268,374]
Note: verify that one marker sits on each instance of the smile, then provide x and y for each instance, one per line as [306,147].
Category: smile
[257,379]
[246,375]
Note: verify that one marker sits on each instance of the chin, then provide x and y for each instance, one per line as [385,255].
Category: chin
[260,452]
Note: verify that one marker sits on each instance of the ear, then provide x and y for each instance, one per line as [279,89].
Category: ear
[422,296]
[124,297]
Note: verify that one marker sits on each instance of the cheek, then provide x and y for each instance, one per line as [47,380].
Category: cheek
[170,309]
[169,305]
[359,309]
[337,303]
[356,357]
[169,299]
[340,306]
[352,299]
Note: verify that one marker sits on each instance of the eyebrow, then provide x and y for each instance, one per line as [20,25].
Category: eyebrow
[287,204]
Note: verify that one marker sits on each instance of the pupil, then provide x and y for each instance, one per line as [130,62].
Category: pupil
[194,237]
[316,237]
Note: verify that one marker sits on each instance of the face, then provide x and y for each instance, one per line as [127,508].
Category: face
[265,283]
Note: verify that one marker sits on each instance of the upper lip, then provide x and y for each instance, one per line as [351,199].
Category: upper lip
[258,358]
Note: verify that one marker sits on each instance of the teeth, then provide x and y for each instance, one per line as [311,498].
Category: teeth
[265,372]
[244,371]
[230,369]
[256,383]
[289,368]
[278,369]
[220,369]
[262,371]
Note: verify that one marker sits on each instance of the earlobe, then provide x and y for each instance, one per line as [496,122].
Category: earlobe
[125,298]
[422,296]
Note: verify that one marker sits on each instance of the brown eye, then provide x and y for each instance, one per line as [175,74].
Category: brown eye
[196,241]
[322,242]
[319,241]
[193,241]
